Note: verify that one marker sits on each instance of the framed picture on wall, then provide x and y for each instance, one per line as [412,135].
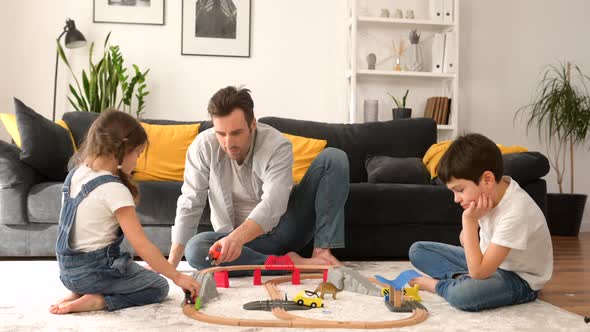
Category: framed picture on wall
[129,11]
[216,28]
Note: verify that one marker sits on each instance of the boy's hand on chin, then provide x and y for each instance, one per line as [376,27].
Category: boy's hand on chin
[477,210]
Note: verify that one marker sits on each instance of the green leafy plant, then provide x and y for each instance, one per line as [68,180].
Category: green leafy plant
[561,114]
[397,102]
[107,84]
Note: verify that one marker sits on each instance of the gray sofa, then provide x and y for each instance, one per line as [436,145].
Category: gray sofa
[382,219]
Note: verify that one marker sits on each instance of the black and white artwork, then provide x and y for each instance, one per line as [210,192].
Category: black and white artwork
[216,27]
[215,19]
[129,11]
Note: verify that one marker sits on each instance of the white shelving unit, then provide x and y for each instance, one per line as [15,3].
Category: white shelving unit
[370,33]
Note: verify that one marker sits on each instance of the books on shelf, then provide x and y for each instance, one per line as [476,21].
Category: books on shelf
[438,108]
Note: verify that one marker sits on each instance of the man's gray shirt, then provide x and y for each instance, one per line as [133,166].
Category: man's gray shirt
[267,176]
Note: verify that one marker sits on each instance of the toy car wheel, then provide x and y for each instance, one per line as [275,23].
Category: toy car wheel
[300,302]
[313,305]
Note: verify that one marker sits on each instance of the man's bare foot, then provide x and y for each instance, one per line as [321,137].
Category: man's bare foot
[71,297]
[326,254]
[88,302]
[426,283]
[298,260]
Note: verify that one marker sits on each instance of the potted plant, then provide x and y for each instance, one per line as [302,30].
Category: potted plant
[400,112]
[561,114]
[107,84]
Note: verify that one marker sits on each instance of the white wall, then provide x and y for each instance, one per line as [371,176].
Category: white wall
[296,68]
[504,47]
[298,59]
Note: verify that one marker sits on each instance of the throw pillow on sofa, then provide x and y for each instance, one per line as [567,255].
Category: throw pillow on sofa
[9,121]
[45,146]
[383,169]
[304,152]
[164,158]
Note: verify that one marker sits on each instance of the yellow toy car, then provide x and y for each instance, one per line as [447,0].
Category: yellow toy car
[314,301]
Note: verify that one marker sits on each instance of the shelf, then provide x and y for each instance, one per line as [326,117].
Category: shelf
[428,24]
[414,74]
[445,127]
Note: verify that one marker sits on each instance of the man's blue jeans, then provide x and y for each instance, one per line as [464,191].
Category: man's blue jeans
[442,261]
[315,210]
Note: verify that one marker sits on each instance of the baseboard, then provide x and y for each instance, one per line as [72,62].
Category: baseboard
[585,227]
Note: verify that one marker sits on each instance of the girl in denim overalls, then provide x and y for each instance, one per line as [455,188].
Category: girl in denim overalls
[98,211]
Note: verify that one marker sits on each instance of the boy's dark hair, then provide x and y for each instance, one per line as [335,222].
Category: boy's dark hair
[229,98]
[468,157]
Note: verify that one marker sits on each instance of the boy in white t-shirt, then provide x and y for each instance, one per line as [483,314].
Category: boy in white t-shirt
[512,258]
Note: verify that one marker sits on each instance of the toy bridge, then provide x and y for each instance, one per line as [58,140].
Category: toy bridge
[275,263]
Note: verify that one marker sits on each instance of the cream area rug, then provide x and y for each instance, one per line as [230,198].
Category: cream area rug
[28,288]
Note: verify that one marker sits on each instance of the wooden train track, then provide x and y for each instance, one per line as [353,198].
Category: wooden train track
[286,319]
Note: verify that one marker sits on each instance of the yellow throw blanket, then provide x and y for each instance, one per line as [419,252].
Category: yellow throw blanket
[436,151]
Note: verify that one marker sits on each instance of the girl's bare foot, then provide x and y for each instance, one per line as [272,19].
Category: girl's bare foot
[88,302]
[298,260]
[71,297]
[326,254]
[426,283]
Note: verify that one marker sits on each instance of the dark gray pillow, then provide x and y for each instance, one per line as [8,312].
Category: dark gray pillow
[525,167]
[45,146]
[79,123]
[383,169]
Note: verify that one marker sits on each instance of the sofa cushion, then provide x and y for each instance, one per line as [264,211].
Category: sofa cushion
[304,152]
[164,158]
[157,203]
[45,146]
[44,202]
[401,138]
[383,169]
[377,204]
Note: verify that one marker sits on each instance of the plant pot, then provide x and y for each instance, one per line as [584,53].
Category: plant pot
[564,213]
[401,113]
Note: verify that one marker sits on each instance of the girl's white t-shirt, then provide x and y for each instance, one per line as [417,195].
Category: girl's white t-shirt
[96,226]
[518,223]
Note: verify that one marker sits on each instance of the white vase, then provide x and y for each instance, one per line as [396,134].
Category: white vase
[415,58]
[371,110]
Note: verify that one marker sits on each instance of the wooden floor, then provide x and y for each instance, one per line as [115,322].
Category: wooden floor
[569,287]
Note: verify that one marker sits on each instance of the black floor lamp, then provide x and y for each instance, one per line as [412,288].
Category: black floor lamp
[74,39]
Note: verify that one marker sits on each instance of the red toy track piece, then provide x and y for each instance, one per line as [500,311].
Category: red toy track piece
[325,278]
[296,278]
[257,277]
[221,279]
[279,263]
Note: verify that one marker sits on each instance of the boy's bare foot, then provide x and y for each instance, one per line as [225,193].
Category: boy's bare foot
[71,297]
[298,260]
[326,254]
[88,302]
[426,283]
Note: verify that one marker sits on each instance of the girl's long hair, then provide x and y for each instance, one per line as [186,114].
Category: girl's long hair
[113,133]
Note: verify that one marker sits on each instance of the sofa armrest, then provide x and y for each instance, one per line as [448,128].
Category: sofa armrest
[16,179]
[525,167]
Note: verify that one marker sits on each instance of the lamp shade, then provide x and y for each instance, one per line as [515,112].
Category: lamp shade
[74,38]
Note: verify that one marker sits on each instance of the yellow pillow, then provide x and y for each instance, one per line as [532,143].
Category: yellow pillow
[164,158]
[64,125]
[304,152]
[437,151]
[9,121]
